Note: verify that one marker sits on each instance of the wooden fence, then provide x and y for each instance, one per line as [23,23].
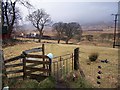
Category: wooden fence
[34,66]
[15,67]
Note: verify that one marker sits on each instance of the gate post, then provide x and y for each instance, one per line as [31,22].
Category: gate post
[3,77]
[43,53]
[24,68]
[76,59]
[50,69]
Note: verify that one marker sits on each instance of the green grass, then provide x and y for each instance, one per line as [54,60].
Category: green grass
[47,83]
[29,83]
[80,83]
[110,70]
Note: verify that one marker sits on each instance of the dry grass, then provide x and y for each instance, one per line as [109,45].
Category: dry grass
[109,76]
[110,71]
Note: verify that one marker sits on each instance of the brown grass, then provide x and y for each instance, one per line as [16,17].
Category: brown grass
[110,71]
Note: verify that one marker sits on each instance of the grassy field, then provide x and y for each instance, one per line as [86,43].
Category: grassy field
[109,70]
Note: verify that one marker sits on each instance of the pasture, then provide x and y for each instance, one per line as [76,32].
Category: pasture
[109,70]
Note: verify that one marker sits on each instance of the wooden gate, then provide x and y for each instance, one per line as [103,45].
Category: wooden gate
[34,66]
[26,64]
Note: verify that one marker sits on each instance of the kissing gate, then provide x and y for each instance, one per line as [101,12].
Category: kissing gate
[34,66]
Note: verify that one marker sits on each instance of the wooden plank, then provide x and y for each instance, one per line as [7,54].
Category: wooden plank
[72,61]
[37,69]
[50,69]
[13,59]
[28,73]
[24,69]
[36,56]
[37,62]
[14,71]
[43,53]
[32,65]
[76,59]
[3,73]
[33,50]
[54,69]
[14,65]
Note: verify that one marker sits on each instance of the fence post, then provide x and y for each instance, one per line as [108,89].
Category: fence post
[43,53]
[50,66]
[60,67]
[3,76]
[72,62]
[24,69]
[76,59]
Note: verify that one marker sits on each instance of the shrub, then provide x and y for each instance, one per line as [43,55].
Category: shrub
[47,83]
[93,56]
[29,84]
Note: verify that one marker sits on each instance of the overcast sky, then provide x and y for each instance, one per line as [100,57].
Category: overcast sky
[76,10]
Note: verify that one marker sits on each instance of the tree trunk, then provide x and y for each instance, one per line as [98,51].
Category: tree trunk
[67,41]
[58,41]
[10,28]
[40,32]
[10,24]
[40,36]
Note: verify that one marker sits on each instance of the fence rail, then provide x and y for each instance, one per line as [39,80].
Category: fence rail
[41,65]
[29,65]
[11,67]
[14,65]
[13,59]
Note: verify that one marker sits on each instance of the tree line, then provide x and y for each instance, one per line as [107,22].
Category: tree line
[39,19]
[67,30]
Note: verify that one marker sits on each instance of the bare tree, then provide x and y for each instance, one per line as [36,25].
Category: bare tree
[72,29]
[10,14]
[59,29]
[39,19]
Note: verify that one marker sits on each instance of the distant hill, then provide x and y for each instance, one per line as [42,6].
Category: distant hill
[87,26]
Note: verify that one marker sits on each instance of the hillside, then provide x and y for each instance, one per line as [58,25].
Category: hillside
[109,76]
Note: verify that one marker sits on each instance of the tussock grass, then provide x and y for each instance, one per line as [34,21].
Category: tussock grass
[29,83]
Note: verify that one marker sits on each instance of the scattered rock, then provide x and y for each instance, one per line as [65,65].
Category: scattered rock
[104,61]
[98,77]
[98,82]
[99,67]
[99,72]
[88,63]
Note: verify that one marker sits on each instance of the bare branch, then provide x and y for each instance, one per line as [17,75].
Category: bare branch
[39,19]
